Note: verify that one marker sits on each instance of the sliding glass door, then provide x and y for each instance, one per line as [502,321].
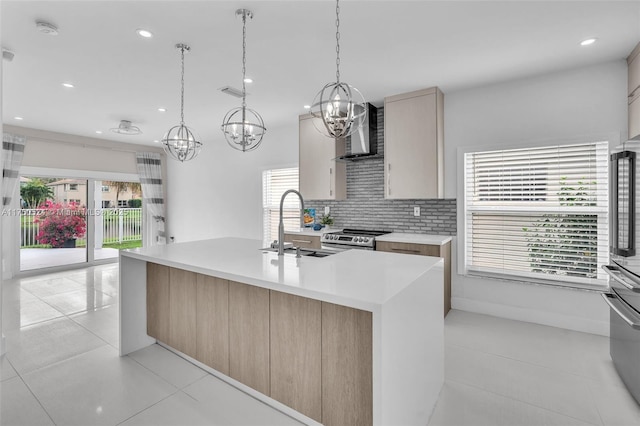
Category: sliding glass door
[118,218]
[69,221]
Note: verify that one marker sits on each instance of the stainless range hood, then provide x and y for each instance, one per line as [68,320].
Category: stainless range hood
[364,142]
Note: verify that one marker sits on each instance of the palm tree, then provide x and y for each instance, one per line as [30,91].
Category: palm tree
[35,192]
[123,187]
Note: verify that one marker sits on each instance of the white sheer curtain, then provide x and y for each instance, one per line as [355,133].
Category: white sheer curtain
[13,151]
[150,171]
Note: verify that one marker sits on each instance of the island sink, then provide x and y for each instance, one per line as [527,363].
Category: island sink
[303,252]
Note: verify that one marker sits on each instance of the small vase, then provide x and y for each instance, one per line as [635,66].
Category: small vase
[70,243]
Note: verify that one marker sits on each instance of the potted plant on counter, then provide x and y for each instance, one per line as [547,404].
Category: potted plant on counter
[60,224]
[326,220]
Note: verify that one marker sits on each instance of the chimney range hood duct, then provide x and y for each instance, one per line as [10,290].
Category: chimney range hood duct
[364,142]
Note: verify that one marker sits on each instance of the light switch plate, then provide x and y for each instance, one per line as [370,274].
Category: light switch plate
[416,211]
[327,210]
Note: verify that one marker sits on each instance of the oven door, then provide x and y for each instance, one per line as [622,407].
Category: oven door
[625,341]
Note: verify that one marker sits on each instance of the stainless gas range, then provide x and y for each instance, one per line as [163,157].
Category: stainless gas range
[350,239]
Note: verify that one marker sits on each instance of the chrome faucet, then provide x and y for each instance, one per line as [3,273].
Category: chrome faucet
[281,225]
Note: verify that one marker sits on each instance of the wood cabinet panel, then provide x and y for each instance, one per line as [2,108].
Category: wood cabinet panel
[212,322]
[633,70]
[347,350]
[443,251]
[408,248]
[249,335]
[303,241]
[320,176]
[414,145]
[634,119]
[158,301]
[296,364]
[182,311]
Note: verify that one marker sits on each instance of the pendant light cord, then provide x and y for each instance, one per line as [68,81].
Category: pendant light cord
[244,58]
[182,88]
[337,41]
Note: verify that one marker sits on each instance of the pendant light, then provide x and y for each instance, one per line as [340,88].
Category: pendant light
[340,106]
[180,142]
[243,127]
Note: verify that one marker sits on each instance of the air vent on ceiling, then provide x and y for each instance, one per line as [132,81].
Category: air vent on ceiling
[231,91]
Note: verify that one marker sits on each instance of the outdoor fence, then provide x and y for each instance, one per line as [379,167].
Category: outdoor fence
[118,226]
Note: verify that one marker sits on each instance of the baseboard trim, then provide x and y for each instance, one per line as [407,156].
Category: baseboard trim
[552,319]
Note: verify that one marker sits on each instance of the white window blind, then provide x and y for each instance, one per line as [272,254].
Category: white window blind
[274,183]
[538,213]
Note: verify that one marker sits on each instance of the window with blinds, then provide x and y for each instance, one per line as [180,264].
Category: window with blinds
[274,183]
[538,213]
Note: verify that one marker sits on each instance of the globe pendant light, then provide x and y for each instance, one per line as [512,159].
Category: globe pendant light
[243,127]
[341,106]
[179,141]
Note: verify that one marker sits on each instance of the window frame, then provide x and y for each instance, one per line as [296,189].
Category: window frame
[594,284]
[269,209]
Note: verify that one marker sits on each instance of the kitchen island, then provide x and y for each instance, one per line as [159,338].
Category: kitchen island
[352,338]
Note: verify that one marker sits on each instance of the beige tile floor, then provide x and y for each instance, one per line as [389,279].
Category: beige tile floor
[63,368]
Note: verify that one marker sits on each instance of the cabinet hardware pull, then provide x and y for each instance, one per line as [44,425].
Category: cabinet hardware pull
[619,308]
[405,250]
[619,277]
[301,241]
[388,178]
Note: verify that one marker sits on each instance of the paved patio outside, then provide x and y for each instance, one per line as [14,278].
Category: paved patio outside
[37,258]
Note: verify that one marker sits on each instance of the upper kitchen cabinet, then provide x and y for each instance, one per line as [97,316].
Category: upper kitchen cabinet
[414,145]
[633,62]
[321,176]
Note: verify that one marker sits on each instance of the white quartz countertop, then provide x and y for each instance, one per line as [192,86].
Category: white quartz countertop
[399,237]
[357,278]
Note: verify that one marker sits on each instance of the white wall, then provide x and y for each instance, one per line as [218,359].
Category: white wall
[2,344]
[219,193]
[569,104]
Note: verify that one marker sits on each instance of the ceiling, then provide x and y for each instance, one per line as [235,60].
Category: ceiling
[387,47]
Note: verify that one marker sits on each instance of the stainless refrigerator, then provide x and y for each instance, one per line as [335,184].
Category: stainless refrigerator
[623,296]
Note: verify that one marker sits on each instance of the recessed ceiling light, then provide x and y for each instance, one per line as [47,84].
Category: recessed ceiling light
[144,33]
[307,106]
[18,118]
[162,109]
[157,141]
[248,80]
[588,41]
[98,131]
[69,85]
